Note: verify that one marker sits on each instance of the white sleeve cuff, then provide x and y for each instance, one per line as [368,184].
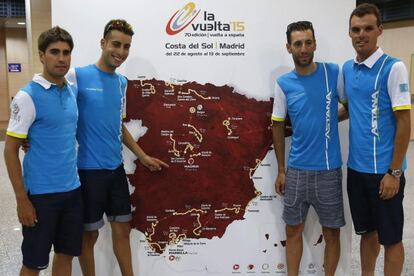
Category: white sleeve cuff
[398,87]
[22,116]
[279,104]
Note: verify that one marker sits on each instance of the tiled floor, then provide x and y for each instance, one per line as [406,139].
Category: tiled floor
[10,229]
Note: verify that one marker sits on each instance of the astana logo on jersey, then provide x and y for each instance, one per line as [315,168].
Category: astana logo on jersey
[328,115]
[374,113]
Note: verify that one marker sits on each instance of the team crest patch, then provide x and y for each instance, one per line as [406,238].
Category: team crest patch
[15,108]
[403,87]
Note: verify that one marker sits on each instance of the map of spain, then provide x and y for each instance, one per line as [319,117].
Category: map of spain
[213,139]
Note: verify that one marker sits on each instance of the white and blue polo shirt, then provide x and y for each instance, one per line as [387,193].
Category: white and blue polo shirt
[312,104]
[374,88]
[47,116]
[101,103]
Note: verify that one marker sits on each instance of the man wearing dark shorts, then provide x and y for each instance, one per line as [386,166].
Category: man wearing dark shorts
[376,86]
[101,102]
[49,200]
[309,95]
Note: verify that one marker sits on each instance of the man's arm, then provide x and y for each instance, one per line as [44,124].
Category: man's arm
[25,210]
[343,112]
[153,164]
[389,184]
[278,133]
[343,109]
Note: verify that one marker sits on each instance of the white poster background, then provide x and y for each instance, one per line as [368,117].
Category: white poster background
[252,75]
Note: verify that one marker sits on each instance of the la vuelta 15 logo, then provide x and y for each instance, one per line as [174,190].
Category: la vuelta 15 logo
[182,18]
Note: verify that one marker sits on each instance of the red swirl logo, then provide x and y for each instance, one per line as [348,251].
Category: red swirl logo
[181,19]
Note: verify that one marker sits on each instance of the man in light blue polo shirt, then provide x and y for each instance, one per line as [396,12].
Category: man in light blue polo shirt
[309,95]
[49,200]
[376,86]
[101,103]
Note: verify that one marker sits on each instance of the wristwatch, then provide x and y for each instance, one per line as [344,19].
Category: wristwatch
[395,173]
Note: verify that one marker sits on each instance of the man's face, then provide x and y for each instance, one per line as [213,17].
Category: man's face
[302,46]
[56,59]
[115,49]
[364,33]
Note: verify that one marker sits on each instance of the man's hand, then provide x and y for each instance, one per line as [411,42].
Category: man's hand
[153,164]
[389,186]
[280,183]
[26,212]
[25,145]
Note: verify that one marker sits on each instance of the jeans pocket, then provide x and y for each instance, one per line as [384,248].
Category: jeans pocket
[291,188]
[328,187]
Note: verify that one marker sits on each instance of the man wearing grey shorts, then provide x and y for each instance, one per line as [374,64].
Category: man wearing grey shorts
[309,95]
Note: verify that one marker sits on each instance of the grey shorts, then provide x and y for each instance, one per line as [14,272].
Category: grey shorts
[320,189]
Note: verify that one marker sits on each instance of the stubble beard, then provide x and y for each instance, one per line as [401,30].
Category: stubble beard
[299,63]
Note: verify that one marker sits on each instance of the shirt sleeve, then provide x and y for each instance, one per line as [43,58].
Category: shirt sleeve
[22,116]
[279,105]
[398,88]
[340,88]
[71,78]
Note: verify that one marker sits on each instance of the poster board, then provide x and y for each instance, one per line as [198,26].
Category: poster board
[236,48]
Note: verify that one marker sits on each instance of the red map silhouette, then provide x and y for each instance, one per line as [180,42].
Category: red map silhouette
[213,139]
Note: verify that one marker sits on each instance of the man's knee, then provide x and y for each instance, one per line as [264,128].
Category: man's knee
[121,229]
[370,235]
[331,235]
[90,237]
[294,231]
[63,258]
[396,246]
[25,271]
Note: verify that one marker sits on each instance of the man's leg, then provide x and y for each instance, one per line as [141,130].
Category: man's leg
[294,248]
[87,258]
[95,185]
[62,265]
[25,271]
[68,233]
[391,233]
[369,250]
[332,249]
[393,259]
[122,247]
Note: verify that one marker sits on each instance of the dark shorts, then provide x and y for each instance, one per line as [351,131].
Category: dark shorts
[320,189]
[105,191]
[370,212]
[60,223]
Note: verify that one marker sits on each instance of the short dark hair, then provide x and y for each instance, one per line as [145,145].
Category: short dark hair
[119,25]
[299,26]
[364,9]
[53,35]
